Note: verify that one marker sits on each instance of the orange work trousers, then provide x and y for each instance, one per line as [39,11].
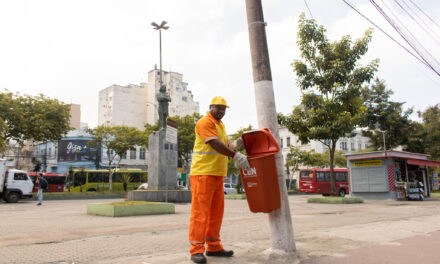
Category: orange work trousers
[207,205]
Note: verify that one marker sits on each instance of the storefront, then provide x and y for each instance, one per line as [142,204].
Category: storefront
[391,175]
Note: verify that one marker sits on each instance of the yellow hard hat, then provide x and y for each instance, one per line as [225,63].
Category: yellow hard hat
[218,100]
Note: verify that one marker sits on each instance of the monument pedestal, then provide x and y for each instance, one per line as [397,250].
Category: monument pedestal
[162,172]
[162,162]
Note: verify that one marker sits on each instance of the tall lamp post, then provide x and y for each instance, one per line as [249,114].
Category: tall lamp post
[160,27]
[162,97]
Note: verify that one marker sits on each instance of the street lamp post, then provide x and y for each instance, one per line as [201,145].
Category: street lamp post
[162,97]
[160,27]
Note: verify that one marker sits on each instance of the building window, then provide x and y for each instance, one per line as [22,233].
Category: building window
[184,98]
[344,145]
[359,145]
[142,153]
[288,142]
[133,154]
[124,156]
[281,143]
[352,147]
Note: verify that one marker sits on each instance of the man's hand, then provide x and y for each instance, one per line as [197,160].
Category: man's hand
[241,161]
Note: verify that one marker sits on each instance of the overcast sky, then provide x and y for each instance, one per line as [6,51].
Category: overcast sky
[72,49]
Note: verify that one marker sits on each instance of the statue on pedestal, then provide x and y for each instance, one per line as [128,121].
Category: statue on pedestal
[163,98]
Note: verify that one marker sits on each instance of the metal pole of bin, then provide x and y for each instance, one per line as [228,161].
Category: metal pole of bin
[280,221]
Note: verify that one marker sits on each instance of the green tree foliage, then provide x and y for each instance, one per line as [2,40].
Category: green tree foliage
[185,138]
[3,142]
[385,115]
[431,120]
[331,79]
[232,168]
[298,158]
[37,118]
[117,140]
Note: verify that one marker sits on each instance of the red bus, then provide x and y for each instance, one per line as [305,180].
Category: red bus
[55,181]
[318,181]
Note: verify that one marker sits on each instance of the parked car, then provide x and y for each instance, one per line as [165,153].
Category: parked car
[229,189]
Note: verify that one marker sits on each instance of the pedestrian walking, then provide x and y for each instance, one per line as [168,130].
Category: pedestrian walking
[42,185]
[209,166]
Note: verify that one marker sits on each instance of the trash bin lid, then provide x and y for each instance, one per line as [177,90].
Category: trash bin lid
[260,142]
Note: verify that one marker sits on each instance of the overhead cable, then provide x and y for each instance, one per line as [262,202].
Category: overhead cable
[383,31]
[409,38]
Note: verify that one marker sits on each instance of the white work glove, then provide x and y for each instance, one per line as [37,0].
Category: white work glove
[235,144]
[241,161]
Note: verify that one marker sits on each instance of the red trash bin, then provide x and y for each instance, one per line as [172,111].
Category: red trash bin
[261,181]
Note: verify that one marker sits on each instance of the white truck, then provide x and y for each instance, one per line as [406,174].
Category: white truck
[14,184]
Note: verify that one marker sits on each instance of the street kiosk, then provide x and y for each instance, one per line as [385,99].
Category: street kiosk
[391,175]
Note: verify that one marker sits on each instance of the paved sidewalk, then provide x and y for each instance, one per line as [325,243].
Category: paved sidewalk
[417,249]
[62,232]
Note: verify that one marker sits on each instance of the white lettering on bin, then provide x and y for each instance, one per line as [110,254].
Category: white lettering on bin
[252,172]
[251,184]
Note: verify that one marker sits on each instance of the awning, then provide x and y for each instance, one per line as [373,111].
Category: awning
[429,163]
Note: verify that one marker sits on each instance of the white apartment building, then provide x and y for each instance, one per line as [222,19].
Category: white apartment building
[136,105]
[348,145]
[123,105]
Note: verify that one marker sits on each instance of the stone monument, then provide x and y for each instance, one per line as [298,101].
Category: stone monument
[162,160]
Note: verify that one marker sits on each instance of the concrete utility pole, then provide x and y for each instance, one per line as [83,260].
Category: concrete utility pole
[280,221]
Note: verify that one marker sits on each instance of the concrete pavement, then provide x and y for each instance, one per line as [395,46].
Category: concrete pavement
[62,232]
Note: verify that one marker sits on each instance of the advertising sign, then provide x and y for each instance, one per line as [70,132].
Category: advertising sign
[75,150]
[366,163]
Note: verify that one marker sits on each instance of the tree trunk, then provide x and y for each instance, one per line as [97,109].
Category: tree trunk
[332,161]
[280,221]
[110,181]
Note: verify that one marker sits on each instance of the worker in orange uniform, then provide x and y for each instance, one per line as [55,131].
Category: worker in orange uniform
[209,166]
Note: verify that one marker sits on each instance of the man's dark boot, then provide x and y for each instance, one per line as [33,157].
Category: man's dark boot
[221,253]
[198,258]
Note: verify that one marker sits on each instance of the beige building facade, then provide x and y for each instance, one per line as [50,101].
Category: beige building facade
[136,105]
[75,116]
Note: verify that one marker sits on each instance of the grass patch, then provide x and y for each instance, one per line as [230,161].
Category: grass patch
[130,208]
[435,195]
[240,196]
[80,195]
[125,203]
[335,200]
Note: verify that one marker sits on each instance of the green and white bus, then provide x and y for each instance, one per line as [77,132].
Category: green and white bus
[98,180]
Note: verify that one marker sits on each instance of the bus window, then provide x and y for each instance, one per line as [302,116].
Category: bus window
[341,176]
[305,175]
[327,176]
[80,179]
[135,177]
[116,177]
[93,177]
[104,177]
[320,176]
[55,180]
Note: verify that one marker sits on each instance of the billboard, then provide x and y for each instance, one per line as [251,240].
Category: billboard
[76,150]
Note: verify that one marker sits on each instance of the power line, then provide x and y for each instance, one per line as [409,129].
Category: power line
[383,31]
[424,54]
[420,57]
[432,20]
[430,34]
[310,12]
